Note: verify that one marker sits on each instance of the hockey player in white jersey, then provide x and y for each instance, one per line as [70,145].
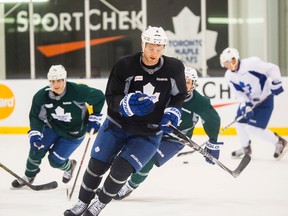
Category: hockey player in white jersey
[254,83]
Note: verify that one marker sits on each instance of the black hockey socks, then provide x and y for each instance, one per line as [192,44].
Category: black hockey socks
[119,173]
[91,179]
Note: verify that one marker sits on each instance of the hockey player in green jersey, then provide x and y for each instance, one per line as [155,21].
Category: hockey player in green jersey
[59,119]
[194,107]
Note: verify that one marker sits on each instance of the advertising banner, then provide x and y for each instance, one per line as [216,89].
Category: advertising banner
[16,97]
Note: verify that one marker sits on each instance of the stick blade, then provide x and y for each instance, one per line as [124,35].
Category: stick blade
[242,165]
[47,186]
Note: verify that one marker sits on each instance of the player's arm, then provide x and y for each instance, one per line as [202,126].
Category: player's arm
[93,97]
[37,113]
[210,118]
[211,122]
[115,90]
[273,71]
[178,91]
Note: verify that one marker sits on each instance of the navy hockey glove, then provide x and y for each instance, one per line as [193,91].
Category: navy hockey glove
[247,110]
[276,88]
[136,104]
[35,140]
[172,116]
[213,148]
[94,122]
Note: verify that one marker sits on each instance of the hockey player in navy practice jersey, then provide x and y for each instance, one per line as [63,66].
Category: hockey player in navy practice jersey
[195,107]
[253,82]
[59,120]
[144,90]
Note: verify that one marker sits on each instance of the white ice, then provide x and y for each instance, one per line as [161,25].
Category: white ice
[193,189]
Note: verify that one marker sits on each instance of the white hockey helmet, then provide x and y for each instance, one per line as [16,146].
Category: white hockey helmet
[154,35]
[228,54]
[191,74]
[57,72]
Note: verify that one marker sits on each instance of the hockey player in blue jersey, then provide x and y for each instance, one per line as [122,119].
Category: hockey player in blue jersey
[253,82]
[144,90]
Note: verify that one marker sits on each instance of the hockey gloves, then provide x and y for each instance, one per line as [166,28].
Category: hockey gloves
[35,140]
[276,88]
[172,116]
[247,110]
[213,148]
[136,104]
[94,122]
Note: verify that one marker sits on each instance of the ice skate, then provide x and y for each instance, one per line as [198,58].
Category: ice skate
[124,192]
[77,209]
[241,152]
[280,148]
[95,208]
[19,183]
[69,174]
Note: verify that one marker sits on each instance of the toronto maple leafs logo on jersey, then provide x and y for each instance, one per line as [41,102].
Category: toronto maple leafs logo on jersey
[246,88]
[61,115]
[148,89]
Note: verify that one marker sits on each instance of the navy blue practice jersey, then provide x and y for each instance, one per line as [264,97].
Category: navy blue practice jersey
[166,87]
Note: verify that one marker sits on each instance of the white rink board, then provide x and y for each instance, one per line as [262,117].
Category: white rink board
[24,90]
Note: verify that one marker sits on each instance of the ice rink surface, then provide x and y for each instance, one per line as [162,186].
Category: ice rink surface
[195,188]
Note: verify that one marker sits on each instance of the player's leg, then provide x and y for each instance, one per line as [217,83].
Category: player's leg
[59,156]
[35,158]
[135,154]
[245,141]
[258,126]
[135,180]
[101,158]
[167,149]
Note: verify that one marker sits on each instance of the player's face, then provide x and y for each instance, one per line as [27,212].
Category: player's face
[231,65]
[57,86]
[152,54]
[189,84]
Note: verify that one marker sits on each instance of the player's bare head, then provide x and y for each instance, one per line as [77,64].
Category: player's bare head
[229,58]
[191,77]
[57,76]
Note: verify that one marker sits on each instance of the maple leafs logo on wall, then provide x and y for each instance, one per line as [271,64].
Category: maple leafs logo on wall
[186,43]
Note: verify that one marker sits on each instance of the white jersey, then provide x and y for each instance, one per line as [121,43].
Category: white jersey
[252,81]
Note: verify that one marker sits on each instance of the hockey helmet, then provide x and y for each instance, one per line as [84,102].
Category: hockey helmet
[57,72]
[191,74]
[228,54]
[154,35]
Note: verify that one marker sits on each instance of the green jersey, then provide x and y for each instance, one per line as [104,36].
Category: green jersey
[197,106]
[66,114]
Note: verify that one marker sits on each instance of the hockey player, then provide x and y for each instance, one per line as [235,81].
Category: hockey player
[144,90]
[253,81]
[58,123]
[195,107]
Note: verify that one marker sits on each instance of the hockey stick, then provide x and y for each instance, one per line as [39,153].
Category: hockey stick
[47,186]
[222,130]
[69,195]
[187,141]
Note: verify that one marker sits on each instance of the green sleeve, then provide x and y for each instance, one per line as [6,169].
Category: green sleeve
[93,97]
[210,118]
[37,111]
